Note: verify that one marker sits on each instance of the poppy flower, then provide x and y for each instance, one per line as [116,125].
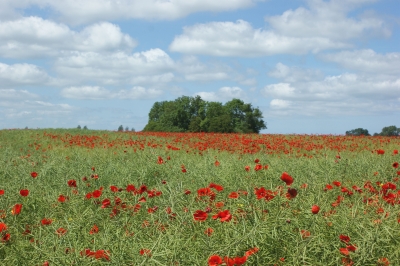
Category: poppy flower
[258,167]
[145,251]
[383,262]
[160,160]
[247,168]
[24,192]
[34,174]
[71,183]
[61,231]
[105,203]
[291,193]
[344,238]
[224,216]
[395,152]
[94,230]
[216,187]
[46,221]
[3,227]
[344,251]
[337,183]
[16,209]
[305,234]
[328,187]
[287,179]
[114,188]
[233,195]
[217,163]
[62,198]
[214,260]
[200,215]
[251,251]
[96,193]
[315,209]
[208,231]
[240,260]
[1,192]
[380,152]
[395,164]
[5,238]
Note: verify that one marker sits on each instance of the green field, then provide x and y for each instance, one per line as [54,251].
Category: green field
[110,198]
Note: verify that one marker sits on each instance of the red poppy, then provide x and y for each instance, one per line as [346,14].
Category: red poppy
[214,260]
[395,164]
[113,188]
[383,262]
[252,251]
[96,193]
[328,187]
[315,209]
[337,183]
[344,238]
[16,209]
[187,192]
[94,230]
[145,251]
[395,152]
[46,221]
[34,174]
[208,231]
[200,215]
[258,167]
[3,227]
[160,160]
[344,251]
[256,160]
[240,260]
[287,179]
[224,216]
[247,168]
[216,163]
[216,187]
[61,231]
[5,238]
[105,203]
[1,192]
[233,195]
[71,183]
[305,234]
[24,192]
[291,193]
[62,198]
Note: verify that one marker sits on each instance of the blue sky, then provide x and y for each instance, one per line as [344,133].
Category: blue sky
[311,66]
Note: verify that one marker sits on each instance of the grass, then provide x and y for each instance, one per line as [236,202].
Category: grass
[164,224]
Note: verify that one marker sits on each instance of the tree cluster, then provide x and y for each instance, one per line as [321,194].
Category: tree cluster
[386,131]
[193,114]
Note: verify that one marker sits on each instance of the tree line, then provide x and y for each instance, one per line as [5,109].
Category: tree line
[386,131]
[193,114]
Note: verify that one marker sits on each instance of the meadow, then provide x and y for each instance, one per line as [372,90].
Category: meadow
[82,197]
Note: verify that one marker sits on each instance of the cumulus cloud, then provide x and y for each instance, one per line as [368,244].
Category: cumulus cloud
[34,37]
[98,93]
[241,39]
[366,60]
[336,94]
[223,94]
[328,19]
[120,68]
[16,95]
[294,74]
[22,74]
[99,10]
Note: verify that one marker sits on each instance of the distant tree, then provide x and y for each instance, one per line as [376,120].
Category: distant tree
[357,132]
[133,130]
[79,127]
[85,128]
[26,127]
[192,114]
[127,129]
[120,128]
[390,131]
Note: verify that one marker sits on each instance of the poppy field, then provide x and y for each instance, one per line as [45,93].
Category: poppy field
[73,197]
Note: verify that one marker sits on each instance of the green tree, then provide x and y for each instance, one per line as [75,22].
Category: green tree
[357,132]
[192,114]
[120,128]
[85,128]
[390,131]
[79,127]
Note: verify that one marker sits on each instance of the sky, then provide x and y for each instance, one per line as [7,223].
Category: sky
[310,66]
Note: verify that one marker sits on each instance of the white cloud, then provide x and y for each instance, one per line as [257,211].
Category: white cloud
[98,93]
[16,95]
[223,94]
[347,93]
[22,74]
[35,37]
[294,74]
[148,67]
[328,20]
[82,12]
[367,61]
[241,39]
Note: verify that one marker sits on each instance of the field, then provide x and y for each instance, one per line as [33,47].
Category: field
[75,197]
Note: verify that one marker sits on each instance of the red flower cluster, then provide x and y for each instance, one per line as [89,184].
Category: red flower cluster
[99,254]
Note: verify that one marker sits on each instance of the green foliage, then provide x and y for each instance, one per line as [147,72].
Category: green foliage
[390,131]
[358,132]
[192,114]
[85,128]
[79,127]
[121,128]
